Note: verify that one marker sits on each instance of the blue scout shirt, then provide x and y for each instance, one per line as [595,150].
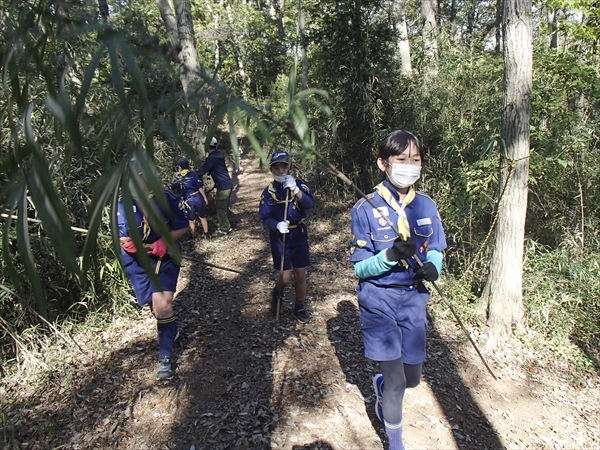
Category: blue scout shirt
[175,219]
[189,182]
[371,233]
[272,204]
[166,268]
[215,165]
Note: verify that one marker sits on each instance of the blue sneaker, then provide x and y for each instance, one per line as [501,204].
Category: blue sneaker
[378,386]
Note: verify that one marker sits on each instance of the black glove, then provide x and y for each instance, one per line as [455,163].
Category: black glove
[427,272]
[402,249]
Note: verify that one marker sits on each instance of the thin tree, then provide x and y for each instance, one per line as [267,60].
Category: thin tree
[503,295]
[403,46]
[430,31]
[179,25]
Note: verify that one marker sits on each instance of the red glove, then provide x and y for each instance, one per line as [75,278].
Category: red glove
[128,246]
[158,248]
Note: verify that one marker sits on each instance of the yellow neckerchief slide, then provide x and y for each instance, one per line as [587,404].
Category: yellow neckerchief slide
[273,194]
[184,172]
[386,194]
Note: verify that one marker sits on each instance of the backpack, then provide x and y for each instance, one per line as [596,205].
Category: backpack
[177,186]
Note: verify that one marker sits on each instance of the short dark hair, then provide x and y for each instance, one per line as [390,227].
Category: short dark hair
[396,143]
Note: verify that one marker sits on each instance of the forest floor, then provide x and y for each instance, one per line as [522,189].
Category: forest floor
[247,381]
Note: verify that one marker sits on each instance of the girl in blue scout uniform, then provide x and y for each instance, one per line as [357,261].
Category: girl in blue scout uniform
[146,292]
[271,212]
[191,187]
[391,295]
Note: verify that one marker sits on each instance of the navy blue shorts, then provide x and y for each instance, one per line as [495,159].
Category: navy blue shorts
[296,248]
[143,288]
[197,207]
[393,322]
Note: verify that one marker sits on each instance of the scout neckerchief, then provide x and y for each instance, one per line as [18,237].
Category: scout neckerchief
[273,193]
[386,194]
[184,172]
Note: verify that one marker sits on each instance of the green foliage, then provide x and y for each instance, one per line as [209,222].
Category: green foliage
[78,138]
[562,292]
[353,60]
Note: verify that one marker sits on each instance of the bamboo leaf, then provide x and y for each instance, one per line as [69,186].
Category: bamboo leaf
[117,78]
[10,205]
[137,79]
[24,247]
[48,204]
[90,73]
[104,188]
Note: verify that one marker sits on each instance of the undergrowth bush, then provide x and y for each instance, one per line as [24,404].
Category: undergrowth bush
[562,292]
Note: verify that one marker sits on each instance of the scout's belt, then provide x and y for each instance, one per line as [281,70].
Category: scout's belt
[402,286]
[296,224]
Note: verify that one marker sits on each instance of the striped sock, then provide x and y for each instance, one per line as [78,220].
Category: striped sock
[167,330]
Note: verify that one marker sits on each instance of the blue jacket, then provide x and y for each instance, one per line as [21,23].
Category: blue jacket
[188,182]
[371,233]
[174,218]
[272,204]
[214,164]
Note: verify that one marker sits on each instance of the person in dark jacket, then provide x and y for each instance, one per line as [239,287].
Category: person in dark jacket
[286,190]
[214,164]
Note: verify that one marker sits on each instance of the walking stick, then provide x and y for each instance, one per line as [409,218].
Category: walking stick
[105,236]
[280,280]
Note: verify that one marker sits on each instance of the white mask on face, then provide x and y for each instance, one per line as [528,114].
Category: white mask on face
[404,175]
[279,178]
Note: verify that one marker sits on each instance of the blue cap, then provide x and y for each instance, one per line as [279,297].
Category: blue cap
[280,156]
[183,163]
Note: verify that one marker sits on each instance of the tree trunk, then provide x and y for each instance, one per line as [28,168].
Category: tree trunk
[503,292]
[237,49]
[103,5]
[553,25]
[429,30]
[403,48]
[302,40]
[179,25]
[276,12]
[188,56]
[170,21]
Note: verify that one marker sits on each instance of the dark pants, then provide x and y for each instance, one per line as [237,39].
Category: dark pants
[222,206]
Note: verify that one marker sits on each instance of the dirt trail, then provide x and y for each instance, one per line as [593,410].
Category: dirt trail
[246,381]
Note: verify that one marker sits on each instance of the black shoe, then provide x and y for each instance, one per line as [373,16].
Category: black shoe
[220,232]
[166,369]
[301,315]
[205,236]
[275,299]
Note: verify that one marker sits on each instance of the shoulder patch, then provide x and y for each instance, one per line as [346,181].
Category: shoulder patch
[361,243]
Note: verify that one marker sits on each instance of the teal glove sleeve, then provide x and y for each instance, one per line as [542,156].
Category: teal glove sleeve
[373,266]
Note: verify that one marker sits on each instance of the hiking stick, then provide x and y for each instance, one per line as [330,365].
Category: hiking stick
[280,280]
[349,182]
[105,236]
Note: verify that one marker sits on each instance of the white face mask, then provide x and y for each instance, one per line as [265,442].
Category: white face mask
[279,178]
[404,175]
